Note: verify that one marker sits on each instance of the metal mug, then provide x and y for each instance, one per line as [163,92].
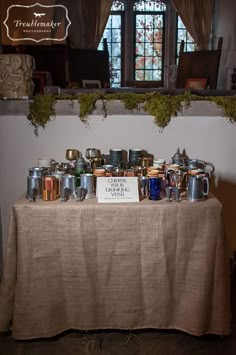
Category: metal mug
[34,188]
[116,157]
[87,182]
[37,171]
[58,175]
[196,164]
[80,193]
[72,154]
[175,178]
[143,186]
[135,157]
[198,187]
[49,188]
[67,187]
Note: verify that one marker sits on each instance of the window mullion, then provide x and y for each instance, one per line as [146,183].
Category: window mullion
[128,41]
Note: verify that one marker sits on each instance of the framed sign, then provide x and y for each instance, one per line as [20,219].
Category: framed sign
[196,83]
[117,189]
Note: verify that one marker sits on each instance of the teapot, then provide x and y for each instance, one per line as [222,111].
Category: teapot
[178,158]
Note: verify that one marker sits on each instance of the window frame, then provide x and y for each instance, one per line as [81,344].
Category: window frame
[128,36]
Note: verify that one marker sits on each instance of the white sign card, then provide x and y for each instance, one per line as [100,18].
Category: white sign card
[117,189]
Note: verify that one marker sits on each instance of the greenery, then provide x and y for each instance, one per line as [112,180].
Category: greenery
[161,107]
[41,111]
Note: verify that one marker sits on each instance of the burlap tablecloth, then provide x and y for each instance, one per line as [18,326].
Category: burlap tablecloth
[84,265]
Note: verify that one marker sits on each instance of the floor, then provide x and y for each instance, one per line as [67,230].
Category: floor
[147,342]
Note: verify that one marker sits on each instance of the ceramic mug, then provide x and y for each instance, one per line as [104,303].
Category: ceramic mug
[155,187]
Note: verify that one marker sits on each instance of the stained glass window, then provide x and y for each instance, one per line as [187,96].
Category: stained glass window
[145,52]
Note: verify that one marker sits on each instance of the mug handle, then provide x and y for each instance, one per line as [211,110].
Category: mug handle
[206,186]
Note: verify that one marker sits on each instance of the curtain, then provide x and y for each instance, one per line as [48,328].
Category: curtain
[196,15]
[95,15]
[88,20]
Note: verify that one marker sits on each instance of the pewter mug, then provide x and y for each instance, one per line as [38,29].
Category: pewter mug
[116,157]
[87,182]
[196,164]
[198,187]
[68,187]
[135,157]
[143,186]
[37,171]
[80,193]
[34,188]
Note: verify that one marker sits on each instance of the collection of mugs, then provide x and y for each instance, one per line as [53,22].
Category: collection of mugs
[51,180]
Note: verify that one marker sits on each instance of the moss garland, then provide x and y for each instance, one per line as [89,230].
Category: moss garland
[161,107]
[41,111]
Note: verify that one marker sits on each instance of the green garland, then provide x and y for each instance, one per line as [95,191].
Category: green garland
[41,111]
[161,107]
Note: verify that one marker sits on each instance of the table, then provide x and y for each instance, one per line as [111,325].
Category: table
[87,266]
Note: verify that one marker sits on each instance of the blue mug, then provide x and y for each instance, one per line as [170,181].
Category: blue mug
[154,188]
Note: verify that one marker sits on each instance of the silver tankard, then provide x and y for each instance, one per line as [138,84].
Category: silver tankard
[87,182]
[198,187]
[68,187]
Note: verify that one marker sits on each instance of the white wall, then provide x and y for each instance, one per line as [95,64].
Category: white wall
[209,138]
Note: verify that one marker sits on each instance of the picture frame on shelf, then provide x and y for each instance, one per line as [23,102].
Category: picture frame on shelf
[196,83]
[91,84]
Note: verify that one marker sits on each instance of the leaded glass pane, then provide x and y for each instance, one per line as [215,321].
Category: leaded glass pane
[146,5]
[183,35]
[113,34]
[149,43]
[190,47]
[139,63]
[117,6]
[139,75]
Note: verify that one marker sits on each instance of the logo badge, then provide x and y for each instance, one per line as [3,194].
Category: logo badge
[37,23]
